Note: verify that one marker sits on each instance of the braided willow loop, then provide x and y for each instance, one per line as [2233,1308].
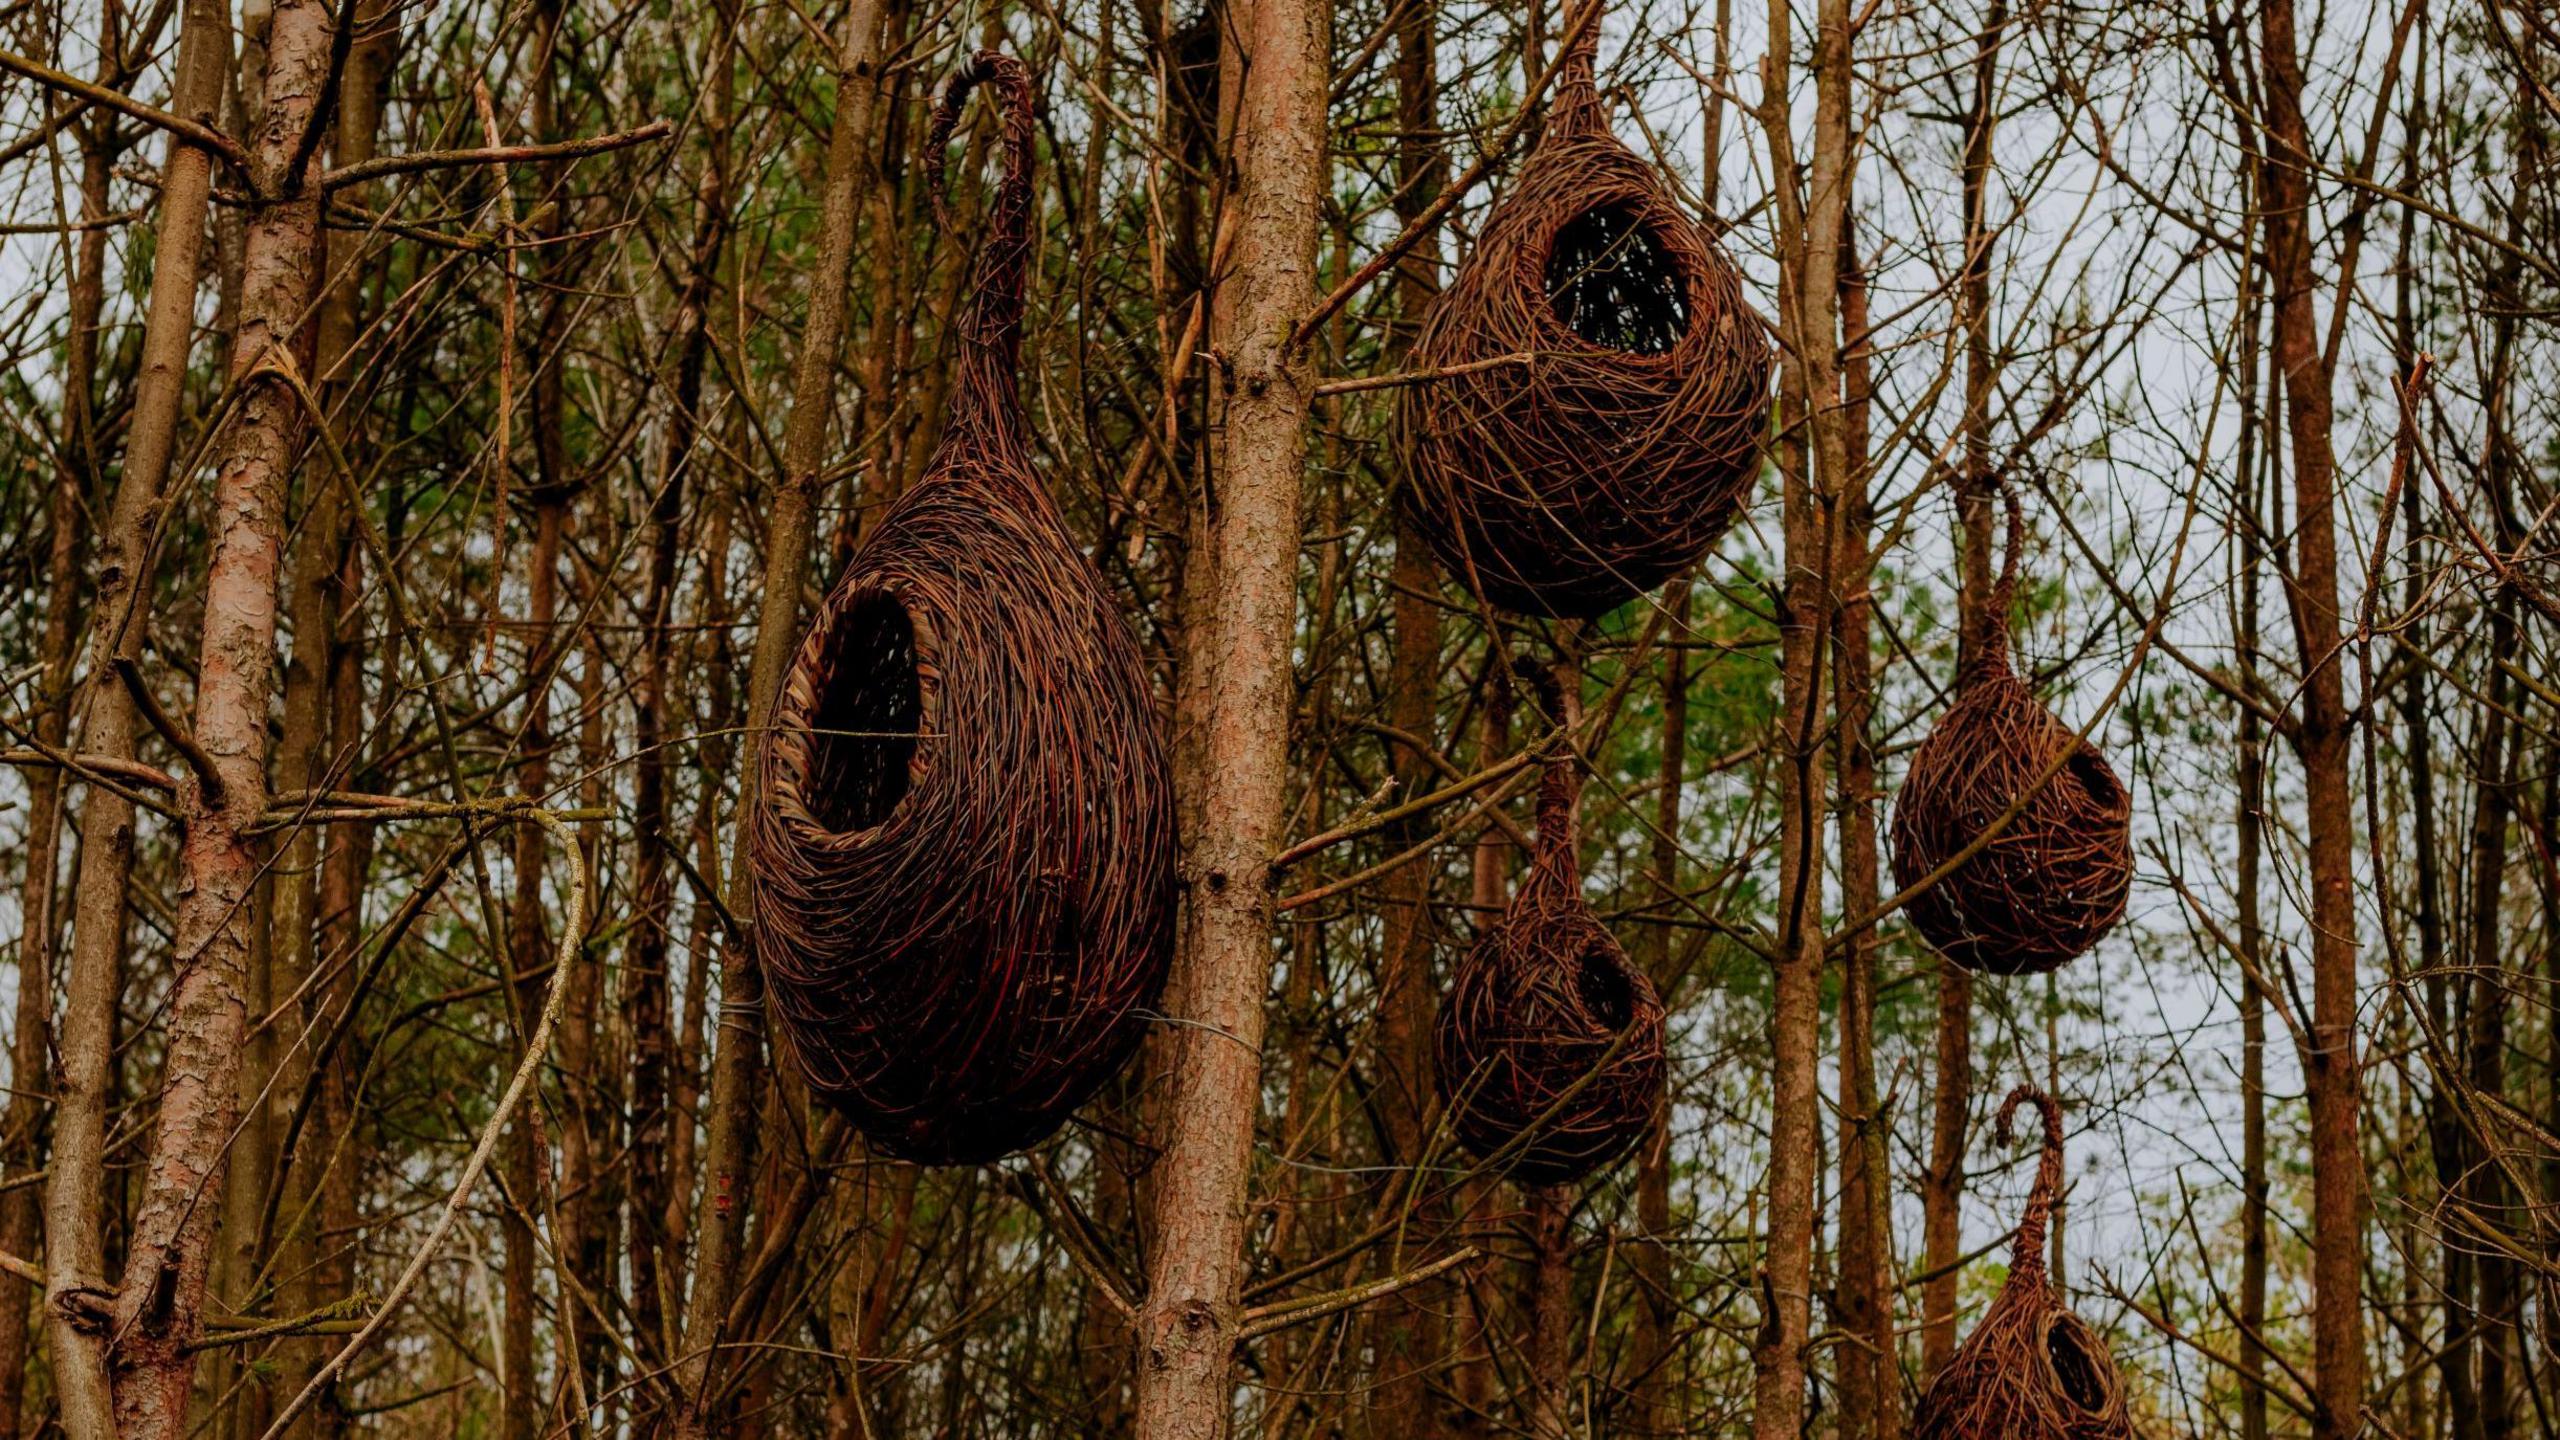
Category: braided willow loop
[2054,881]
[1570,484]
[2032,1370]
[963,843]
[1549,1047]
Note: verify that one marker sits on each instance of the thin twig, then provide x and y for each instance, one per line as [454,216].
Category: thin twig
[410,164]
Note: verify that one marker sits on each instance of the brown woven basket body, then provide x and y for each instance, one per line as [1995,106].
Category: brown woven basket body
[1549,1044]
[2031,1370]
[2055,879]
[964,838]
[1568,485]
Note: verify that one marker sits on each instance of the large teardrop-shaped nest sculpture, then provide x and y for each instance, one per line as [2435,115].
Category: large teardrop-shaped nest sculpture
[2031,1370]
[1549,1045]
[2054,879]
[1570,484]
[964,839]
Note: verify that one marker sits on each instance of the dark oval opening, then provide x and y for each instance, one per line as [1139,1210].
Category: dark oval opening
[1606,995]
[2095,778]
[2078,1373]
[864,727]
[1611,282]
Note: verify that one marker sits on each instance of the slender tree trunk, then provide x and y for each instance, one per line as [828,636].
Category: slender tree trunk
[738,1063]
[1187,1327]
[2250,825]
[79,470]
[1811,223]
[2322,741]
[1550,1343]
[1405,1337]
[1951,1102]
[1870,1375]
[83,1081]
[158,1308]
[1658,1313]
[271,1233]
[648,1000]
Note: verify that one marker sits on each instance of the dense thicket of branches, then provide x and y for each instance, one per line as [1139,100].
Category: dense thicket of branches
[426,428]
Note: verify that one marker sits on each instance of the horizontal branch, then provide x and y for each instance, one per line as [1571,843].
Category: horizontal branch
[1420,377]
[388,165]
[131,771]
[1266,1319]
[201,135]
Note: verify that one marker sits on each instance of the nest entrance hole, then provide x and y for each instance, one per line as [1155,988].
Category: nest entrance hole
[1613,284]
[1606,995]
[2096,778]
[2076,1372]
[867,716]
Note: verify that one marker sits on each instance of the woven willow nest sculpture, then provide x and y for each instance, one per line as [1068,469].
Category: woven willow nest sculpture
[964,841]
[1573,483]
[2031,1370]
[1548,1047]
[2054,879]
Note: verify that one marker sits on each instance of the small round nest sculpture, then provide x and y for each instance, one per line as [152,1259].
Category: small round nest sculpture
[2031,1370]
[1572,482]
[1548,1047]
[963,843]
[2054,878]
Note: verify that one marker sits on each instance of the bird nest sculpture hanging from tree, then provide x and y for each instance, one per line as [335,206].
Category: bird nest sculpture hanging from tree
[964,836]
[1549,1045]
[2031,1370]
[2053,876]
[1614,456]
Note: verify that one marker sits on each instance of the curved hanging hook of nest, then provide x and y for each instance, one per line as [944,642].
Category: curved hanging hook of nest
[1573,483]
[1549,1045]
[963,841]
[2032,1370]
[2055,879]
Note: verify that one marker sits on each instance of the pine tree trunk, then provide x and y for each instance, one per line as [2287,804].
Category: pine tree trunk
[2330,1064]
[1810,226]
[1658,1313]
[79,470]
[75,1191]
[1405,1336]
[158,1307]
[1241,647]
[1870,1374]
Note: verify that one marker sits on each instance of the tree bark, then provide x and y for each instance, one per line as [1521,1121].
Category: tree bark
[1550,1344]
[648,999]
[79,470]
[1870,1374]
[1187,1329]
[1405,1336]
[2321,740]
[158,1307]
[1951,1091]
[1658,1312]
[1810,225]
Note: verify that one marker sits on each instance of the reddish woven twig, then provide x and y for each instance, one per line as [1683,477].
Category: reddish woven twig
[963,906]
[2031,1370]
[1571,484]
[1548,1031]
[2055,880]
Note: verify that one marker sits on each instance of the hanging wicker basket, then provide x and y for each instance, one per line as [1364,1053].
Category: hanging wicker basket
[2054,880]
[1570,484]
[964,839]
[1549,1046]
[2031,1370]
